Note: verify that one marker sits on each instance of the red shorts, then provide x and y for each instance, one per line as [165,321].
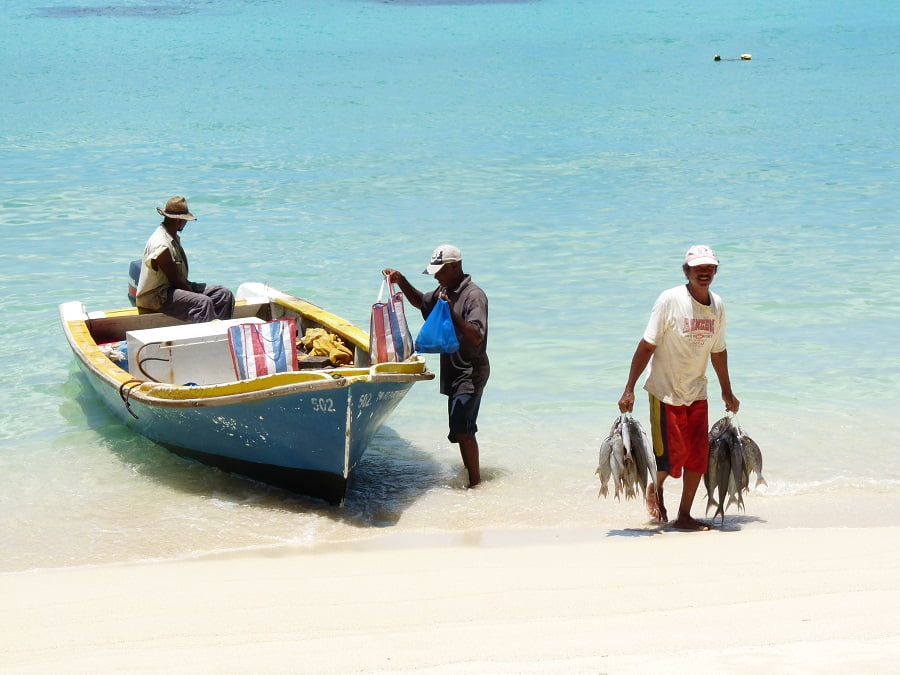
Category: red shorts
[680,436]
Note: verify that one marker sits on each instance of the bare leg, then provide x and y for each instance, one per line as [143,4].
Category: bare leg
[468,448]
[655,506]
[685,521]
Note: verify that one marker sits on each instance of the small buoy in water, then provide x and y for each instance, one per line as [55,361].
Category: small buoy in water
[746,57]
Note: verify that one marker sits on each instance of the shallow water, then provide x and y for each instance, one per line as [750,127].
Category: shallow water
[572,150]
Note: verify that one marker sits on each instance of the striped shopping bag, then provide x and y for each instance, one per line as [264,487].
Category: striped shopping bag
[259,349]
[389,336]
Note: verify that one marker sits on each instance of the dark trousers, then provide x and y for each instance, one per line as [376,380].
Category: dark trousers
[205,303]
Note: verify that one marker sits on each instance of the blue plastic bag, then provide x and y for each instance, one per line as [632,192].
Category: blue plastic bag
[438,336]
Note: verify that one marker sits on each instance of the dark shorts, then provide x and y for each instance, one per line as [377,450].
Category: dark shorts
[680,436]
[463,412]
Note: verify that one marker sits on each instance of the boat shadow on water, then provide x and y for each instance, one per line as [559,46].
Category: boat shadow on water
[390,477]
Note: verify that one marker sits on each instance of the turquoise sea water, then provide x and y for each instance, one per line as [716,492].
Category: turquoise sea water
[572,149]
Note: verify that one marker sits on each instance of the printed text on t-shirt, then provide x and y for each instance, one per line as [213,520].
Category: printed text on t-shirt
[698,330]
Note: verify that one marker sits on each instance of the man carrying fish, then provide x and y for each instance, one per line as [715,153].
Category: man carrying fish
[686,331]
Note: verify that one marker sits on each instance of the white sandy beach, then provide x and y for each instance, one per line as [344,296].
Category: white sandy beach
[744,600]
[573,151]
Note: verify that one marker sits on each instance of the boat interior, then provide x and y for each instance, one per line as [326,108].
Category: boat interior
[118,328]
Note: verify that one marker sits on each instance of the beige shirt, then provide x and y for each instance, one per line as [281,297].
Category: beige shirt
[153,285]
[685,333]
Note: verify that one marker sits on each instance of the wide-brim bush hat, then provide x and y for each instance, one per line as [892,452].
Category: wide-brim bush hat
[176,207]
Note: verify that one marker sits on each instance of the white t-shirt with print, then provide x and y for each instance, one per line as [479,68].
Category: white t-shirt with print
[685,333]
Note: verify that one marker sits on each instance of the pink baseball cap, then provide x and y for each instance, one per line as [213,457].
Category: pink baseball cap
[700,255]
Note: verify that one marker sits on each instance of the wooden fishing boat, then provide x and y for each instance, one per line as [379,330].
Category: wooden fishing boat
[304,429]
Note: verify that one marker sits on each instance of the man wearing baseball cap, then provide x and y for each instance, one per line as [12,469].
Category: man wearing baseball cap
[465,372]
[685,332]
[163,285]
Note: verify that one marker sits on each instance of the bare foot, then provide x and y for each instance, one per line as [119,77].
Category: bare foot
[685,522]
[655,506]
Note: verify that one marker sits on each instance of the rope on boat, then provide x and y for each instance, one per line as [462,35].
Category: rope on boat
[125,393]
[140,362]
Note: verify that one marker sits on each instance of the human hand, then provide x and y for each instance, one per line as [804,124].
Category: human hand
[626,403]
[731,403]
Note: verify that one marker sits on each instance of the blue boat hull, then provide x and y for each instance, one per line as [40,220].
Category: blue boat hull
[306,442]
[302,430]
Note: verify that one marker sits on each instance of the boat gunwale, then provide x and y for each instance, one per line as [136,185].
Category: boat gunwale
[176,396]
[76,320]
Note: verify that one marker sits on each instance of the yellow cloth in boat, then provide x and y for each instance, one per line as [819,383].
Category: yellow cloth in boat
[319,342]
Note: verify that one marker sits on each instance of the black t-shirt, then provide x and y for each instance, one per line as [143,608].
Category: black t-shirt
[466,371]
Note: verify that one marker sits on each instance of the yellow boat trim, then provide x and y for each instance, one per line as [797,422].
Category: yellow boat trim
[100,362]
[94,355]
[179,392]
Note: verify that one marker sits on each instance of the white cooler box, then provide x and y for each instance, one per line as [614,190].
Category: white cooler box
[195,353]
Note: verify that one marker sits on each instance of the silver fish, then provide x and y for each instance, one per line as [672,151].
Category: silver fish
[737,469]
[629,478]
[617,463]
[710,478]
[645,459]
[723,474]
[719,428]
[629,474]
[753,458]
[615,425]
[639,457]
[605,470]
[745,476]
[626,434]
[733,456]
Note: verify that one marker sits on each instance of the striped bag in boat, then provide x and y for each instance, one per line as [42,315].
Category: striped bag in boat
[389,336]
[259,349]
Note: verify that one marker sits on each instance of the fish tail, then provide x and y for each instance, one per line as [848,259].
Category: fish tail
[719,511]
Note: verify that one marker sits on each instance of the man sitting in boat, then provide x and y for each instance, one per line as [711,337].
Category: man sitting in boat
[163,285]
